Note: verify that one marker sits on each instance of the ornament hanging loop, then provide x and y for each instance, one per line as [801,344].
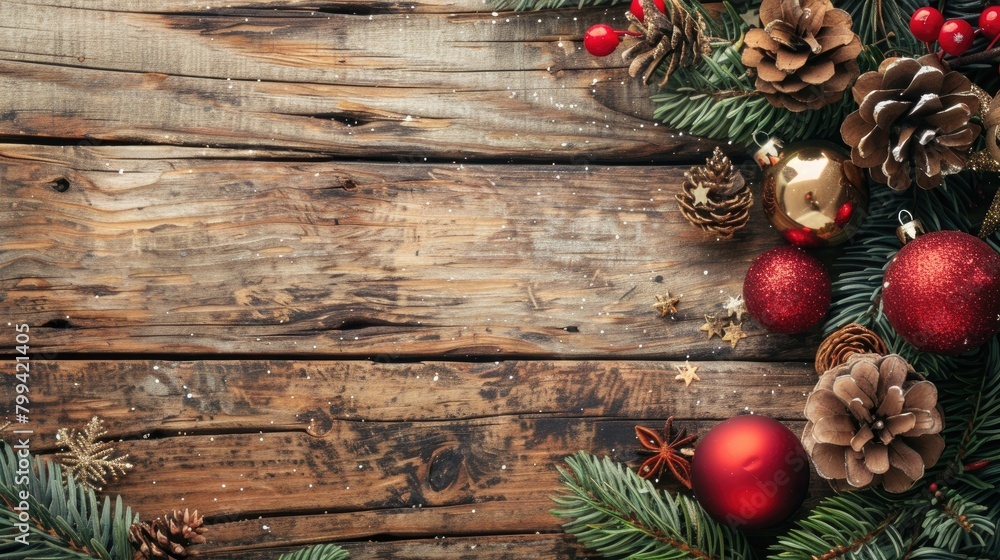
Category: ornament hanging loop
[769,149]
[909,227]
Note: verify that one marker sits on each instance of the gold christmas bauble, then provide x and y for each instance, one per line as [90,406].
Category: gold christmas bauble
[813,195]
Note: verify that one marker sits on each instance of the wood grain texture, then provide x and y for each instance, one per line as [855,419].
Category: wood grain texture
[181,250]
[290,453]
[455,83]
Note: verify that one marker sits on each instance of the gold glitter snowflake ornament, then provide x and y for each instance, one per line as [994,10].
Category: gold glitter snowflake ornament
[89,460]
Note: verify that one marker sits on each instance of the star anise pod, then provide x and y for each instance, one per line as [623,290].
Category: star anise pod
[667,453]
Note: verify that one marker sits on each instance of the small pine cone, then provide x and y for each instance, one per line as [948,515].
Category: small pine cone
[676,34]
[715,197]
[805,55]
[912,123]
[720,176]
[873,421]
[845,341]
[167,538]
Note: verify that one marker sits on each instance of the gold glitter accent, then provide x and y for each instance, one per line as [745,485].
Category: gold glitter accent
[991,223]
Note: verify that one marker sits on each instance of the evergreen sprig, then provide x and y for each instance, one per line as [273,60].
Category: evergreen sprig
[848,526]
[717,98]
[317,552]
[65,520]
[619,514]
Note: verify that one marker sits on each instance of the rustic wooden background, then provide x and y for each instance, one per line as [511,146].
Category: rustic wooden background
[357,272]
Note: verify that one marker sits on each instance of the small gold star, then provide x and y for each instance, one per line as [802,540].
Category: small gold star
[700,194]
[734,333]
[687,373]
[735,308]
[666,304]
[712,326]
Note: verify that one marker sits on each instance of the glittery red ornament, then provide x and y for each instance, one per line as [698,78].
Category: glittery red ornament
[787,290]
[750,472]
[941,292]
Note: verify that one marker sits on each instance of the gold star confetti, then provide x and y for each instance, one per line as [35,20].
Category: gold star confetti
[666,305]
[735,308]
[687,373]
[700,194]
[712,326]
[734,333]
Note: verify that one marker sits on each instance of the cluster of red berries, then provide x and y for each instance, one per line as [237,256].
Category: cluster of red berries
[602,39]
[954,36]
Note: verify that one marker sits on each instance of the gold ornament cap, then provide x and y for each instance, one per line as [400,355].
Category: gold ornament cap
[769,151]
[909,227]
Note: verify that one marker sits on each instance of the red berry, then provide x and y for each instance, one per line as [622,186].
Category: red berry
[989,21]
[636,8]
[601,39]
[956,36]
[925,24]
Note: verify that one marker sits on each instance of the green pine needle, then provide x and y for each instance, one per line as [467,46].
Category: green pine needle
[853,524]
[317,552]
[65,521]
[612,510]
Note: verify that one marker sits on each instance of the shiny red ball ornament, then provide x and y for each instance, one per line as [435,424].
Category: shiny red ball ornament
[925,24]
[750,472]
[941,292]
[787,290]
[601,39]
[989,21]
[637,11]
[956,37]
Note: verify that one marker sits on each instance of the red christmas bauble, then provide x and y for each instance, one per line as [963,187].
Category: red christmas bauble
[925,24]
[750,472]
[941,292]
[787,290]
[956,37]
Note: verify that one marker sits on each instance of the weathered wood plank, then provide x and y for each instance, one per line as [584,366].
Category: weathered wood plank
[319,451]
[139,398]
[460,84]
[111,249]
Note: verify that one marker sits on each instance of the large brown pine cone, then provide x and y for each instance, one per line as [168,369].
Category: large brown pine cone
[805,55]
[873,421]
[912,123]
[167,538]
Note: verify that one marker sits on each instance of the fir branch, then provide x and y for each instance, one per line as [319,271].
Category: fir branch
[612,510]
[317,552]
[954,523]
[849,526]
[64,521]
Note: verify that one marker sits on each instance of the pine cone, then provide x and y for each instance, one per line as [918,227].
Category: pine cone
[912,123]
[167,538]
[676,33]
[805,55]
[715,197]
[873,421]
[845,341]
